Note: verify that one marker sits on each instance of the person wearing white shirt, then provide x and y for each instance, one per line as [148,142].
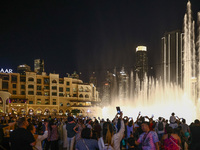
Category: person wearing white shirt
[38,138]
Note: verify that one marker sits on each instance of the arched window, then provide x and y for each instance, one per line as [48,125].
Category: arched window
[87,90]
[54,81]
[86,96]
[81,89]
[81,95]
[68,104]
[30,79]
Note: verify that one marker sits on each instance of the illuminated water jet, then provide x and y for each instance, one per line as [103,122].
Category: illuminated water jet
[151,97]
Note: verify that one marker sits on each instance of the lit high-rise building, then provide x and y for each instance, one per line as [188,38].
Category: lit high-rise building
[141,67]
[39,66]
[22,69]
[172,57]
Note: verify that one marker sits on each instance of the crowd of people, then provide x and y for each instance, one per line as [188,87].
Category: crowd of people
[84,133]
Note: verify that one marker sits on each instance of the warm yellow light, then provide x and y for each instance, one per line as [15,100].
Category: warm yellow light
[141,48]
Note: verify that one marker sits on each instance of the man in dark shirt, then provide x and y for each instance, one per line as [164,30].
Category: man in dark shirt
[21,138]
[195,135]
[71,132]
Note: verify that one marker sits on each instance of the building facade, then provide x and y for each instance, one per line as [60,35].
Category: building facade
[39,66]
[42,94]
[172,67]
[141,67]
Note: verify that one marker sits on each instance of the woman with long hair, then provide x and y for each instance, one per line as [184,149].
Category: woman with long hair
[110,139]
[171,141]
[53,135]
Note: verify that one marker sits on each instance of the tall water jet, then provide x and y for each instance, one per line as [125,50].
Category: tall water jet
[153,96]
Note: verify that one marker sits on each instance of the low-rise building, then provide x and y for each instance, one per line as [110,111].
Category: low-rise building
[44,94]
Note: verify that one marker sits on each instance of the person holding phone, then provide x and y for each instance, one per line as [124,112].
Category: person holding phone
[110,139]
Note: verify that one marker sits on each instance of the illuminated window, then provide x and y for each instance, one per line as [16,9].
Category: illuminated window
[46,93]
[38,101]
[81,89]
[74,90]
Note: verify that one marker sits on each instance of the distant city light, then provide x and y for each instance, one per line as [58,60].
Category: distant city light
[141,48]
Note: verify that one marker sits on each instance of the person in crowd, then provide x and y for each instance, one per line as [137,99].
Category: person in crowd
[71,132]
[4,138]
[85,142]
[80,127]
[173,121]
[97,128]
[111,140]
[170,140]
[185,127]
[195,135]
[64,135]
[21,138]
[160,128]
[38,137]
[88,124]
[148,139]
[53,135]
[131,142]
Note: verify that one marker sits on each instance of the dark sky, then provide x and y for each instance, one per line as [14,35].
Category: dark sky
[86,35]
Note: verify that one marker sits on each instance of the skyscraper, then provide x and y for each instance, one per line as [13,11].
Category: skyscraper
[141,66]
[172,57]
[39,66]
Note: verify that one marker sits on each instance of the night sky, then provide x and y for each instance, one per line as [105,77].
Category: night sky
[86,35]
